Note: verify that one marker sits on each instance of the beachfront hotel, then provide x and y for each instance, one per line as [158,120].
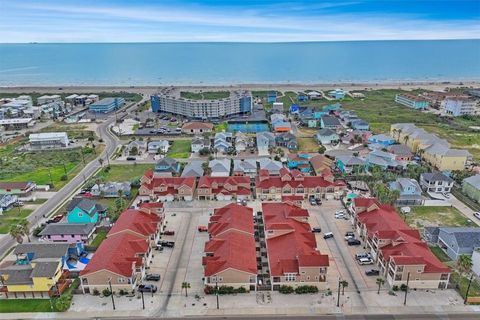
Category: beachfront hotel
[169,100]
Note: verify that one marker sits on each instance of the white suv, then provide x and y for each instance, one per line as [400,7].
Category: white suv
[476,215]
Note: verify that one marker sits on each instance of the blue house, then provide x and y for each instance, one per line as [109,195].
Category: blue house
[272,97]
[300,162]
[167,166]
[332,107]
[385,160]
[82,210]
[337,94]
[381,139]
[294,109]
[348,164]
[302,97]
[107,105]
[360,125]
[410,191]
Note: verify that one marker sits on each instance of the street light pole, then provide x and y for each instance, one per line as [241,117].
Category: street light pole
[111,292]
[338,297]
[143,301]
[406,290]
[216,293]
[468,289]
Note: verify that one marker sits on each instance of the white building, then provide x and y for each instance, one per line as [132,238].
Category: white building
[48,140]
[48,99]
[459,106]
[161,146]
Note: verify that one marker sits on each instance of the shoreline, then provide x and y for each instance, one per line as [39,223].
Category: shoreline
[352,86]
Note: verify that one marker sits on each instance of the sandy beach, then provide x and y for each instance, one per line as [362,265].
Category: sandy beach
[404,85]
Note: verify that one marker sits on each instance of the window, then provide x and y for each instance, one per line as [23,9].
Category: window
[419,271]
[316,277]
[290,277]
[220,279]
[80,214]
[308,277]
[121,280]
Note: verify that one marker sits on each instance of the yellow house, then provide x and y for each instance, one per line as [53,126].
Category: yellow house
[432,149]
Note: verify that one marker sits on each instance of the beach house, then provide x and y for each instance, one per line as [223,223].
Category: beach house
[471,187]
[410,192]
[82,210]
[327,136]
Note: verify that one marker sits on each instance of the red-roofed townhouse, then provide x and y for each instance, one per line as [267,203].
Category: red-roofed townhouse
[293,257]
[230,254]
[120,260]
[139,223]
[167,188]
[224,188]
[295,183]
[397,248]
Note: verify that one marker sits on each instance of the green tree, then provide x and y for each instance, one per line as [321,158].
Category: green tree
[464,263]
[134,151]
[186,286]
[322,149]
[20,230]
[63,302]
[380,283]
[344,284]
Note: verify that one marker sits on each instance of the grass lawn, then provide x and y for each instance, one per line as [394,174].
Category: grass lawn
[126,172]
[99,237]
[74,131]
[43,167]
[420,217]
[307,145]
[206,95]
[221,127]
[11,216]
[463,284]
[180,149]
[380,111]
[25,305]
[440,254]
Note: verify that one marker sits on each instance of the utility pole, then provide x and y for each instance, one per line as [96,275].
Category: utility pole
[216,293]
[143,301]
[406,290]
[111,292]
[468,289]
[338,297]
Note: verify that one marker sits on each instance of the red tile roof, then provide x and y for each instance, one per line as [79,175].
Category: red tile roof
[231,218]
[172,184]
[239,184]
[15,185]
[232,250]
[136,221]
[296,180]
[292,250]
[118,254]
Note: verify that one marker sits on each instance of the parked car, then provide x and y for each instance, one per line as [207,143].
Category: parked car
[341,211]
[55,219]
[147,288]
[202,229]
[152,277]
[339,216]
[316,230]
[169,232]
[131,158]
[365,261]
[159,248]
[168,244]
[476,215]
[372,272]
[328,235]
[350,236]
[353,242]
[18,204]
[359,256]
[313,202]
[319,202]
[349,233]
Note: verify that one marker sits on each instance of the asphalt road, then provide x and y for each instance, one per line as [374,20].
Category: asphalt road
[111,143]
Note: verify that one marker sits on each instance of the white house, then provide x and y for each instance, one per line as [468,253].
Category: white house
[436,182]
[158,146]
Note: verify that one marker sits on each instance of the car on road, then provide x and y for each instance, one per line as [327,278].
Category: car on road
[476,215]
[353,242]
[169,232]
[328,235]
[152,277]
[316,230]
[147,288]
[365,261]
[373,272]
[202,229]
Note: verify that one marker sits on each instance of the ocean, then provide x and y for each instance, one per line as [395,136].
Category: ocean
[136,64]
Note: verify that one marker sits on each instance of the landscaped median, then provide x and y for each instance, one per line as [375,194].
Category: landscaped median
[57,304]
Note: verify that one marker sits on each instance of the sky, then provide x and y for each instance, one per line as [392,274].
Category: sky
[236,21]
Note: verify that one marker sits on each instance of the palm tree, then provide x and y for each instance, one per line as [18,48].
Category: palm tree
[343,283]
[19,230]
[405,139]
[380,283]
[24,226]
[100,160]
[186,286]
[464,263]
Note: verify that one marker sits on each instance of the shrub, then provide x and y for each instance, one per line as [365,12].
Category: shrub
[106,292]
[62,303]
[395,288]
[64,177]
[241,290]
[403,287]
[209,290]
[306,289]
[96,292]
[285,289]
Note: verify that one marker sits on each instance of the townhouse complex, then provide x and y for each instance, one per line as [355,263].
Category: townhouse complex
[396,248]
[264,251]
[169,100]
[434,150]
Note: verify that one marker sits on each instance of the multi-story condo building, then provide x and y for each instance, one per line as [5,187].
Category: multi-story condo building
[169,100]
[411,101]
[459,106]
[432,149]
[223,188]
[107,105]
[167,188]
[48,140]
[397,249]
[293,257]
[294,183]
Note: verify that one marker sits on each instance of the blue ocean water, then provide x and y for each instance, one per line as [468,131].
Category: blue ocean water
[233,63]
